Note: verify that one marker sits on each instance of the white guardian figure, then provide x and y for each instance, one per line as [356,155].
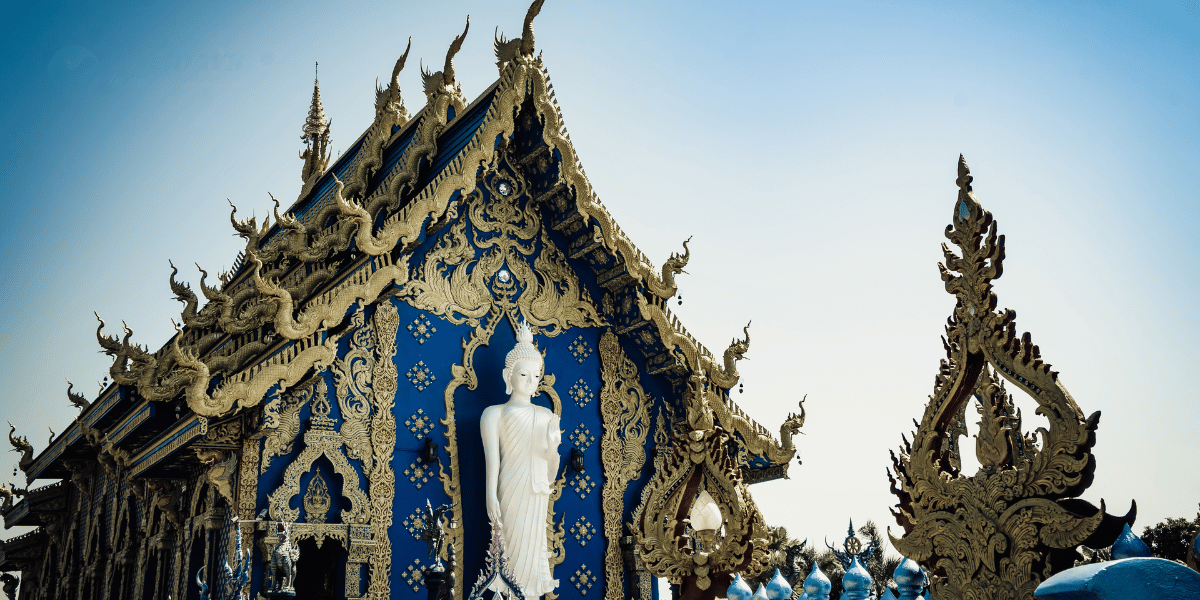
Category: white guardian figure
[520,450]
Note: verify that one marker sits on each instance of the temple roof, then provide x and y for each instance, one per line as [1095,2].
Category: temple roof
[345,240]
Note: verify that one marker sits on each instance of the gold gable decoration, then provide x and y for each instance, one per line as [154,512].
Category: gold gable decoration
[487,277]
[461,274]
[1002,531]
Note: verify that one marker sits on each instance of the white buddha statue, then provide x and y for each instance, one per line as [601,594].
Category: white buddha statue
[520,450]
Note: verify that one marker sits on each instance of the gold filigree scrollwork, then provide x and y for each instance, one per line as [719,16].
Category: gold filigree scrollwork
[624,412]
[327,443]
[700,460]
[352,377]
[225,434]
[1000,532]
[464,375]
[556,535]
[281,416]
[383,441]
[456,277]
[319,532]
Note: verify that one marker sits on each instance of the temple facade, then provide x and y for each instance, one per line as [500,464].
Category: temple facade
[313,428]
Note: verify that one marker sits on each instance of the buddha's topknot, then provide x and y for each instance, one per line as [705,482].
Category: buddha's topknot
[524,348]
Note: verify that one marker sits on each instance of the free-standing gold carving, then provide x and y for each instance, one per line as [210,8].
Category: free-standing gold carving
[624,411]
[997,533]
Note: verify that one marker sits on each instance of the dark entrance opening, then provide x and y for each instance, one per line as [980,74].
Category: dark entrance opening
[321,572]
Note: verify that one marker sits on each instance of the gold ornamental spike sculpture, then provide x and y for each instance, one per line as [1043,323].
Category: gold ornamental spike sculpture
[316,138]
[1017,520]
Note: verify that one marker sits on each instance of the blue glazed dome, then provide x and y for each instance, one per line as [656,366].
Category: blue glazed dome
[909,579]
[1129,546]
[856,583]
[817,585]
[761,594]
[738,590]
[779,588]
[908,572]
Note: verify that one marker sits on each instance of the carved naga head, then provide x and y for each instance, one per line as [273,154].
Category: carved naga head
[19,443]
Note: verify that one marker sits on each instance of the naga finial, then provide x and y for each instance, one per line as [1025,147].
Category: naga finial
[743,345]
[455,46]
[399,67]
[666,287]
[527,30]
[76,399]
[20,444]
[507,50]
[388,101]
[728,376]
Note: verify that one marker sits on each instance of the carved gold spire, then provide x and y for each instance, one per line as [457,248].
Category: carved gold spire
[316,136]
[999,532]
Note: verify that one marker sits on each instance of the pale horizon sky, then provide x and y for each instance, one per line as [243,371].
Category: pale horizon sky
[810,149]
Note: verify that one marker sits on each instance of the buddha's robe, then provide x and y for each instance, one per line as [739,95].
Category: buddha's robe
[529,437]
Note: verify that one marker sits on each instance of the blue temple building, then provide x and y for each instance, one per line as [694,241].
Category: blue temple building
[322,397]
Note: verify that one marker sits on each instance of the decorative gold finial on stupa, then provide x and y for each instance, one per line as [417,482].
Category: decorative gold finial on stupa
[316,136]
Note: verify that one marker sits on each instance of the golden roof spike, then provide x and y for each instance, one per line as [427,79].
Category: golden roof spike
[964,175]
[507,50]
[400,67]
[455,46]
[527,30]
[315,124]
[316,135]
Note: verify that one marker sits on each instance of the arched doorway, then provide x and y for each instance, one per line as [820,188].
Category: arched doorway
[321,572]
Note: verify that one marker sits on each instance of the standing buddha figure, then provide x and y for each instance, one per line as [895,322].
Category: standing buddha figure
[520,450]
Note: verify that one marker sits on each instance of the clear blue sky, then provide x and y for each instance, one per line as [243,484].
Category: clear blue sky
[809,147]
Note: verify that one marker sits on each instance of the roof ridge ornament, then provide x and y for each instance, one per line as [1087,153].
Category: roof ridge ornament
[665,287]
[78,400]
[728,376]
[507,50]
[444,80]
[316,136]
[388,99]
[22,445]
